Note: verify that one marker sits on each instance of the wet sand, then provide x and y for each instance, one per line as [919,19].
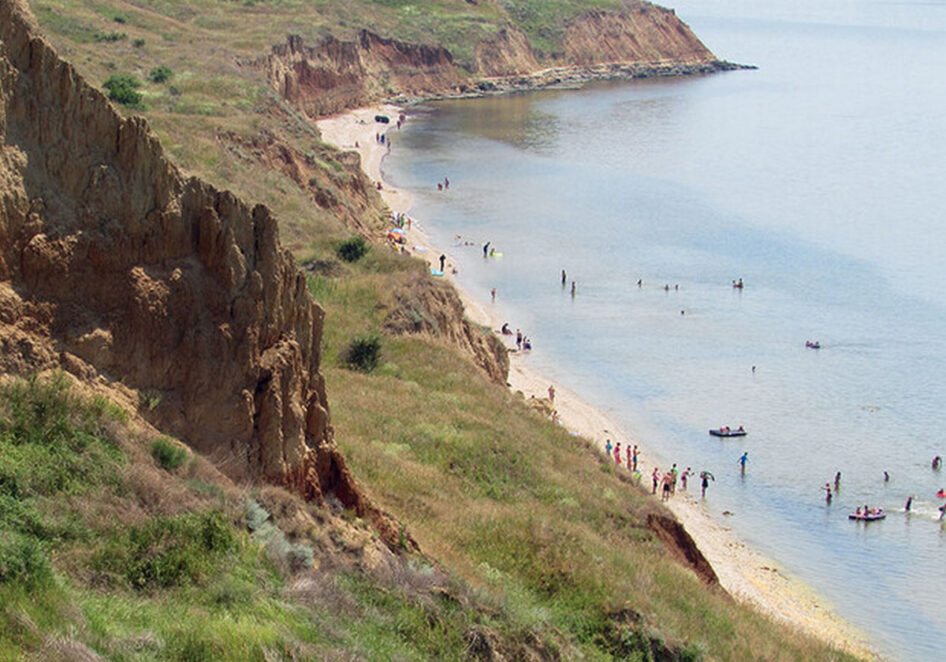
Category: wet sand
[744,572]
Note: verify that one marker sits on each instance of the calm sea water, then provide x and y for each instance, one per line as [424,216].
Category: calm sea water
[819,180]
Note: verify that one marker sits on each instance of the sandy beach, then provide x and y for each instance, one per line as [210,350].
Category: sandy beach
[745,573]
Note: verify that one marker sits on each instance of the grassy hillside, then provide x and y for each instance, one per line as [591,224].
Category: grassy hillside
[116,540]
[524,511]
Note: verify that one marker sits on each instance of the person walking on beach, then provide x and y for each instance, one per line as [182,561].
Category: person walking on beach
[629,458]
[551,393]
[607,447]
[518,339]
[673,478]
[617,453]
[634,457]
[442,260]
[683,478]
[655,477]
[666,488]
[742,461]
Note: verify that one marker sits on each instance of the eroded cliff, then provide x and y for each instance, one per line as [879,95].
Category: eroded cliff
[633,40]
[118,269]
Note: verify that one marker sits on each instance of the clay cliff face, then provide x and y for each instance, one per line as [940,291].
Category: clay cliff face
[117,268]
[425,307]
[334,75]
[647,34]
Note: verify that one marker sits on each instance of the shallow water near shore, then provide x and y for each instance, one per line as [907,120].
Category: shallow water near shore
[816,179]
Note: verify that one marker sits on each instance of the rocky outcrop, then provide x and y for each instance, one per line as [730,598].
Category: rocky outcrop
[431,308]
[334,75]
[116,267]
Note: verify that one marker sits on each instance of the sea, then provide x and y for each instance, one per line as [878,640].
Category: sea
[819,179]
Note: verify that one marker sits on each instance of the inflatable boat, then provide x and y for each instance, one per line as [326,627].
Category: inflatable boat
[869,516]
[727,432]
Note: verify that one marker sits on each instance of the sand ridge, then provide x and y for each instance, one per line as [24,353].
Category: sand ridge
[744,572]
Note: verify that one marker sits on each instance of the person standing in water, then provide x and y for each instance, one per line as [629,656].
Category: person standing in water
[827,492]
[837,481]
[564,278]
[573,288]
[705,477]
[486,249]
[743,459]
[906,508]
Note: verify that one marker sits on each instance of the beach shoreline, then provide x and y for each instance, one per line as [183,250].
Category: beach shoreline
[744,573]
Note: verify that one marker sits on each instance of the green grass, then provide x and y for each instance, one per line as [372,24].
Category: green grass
[520,508]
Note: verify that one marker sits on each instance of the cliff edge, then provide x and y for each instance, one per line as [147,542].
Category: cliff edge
[120,270]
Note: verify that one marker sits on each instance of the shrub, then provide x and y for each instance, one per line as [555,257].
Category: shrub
[110,36]
[22,559]
[52,442]
[167,454]
[168,551]
[160,74]
[364,352]
[121,88]
[138,43]
[353,249]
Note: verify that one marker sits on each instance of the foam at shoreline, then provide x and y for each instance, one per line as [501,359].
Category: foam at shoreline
[743,572]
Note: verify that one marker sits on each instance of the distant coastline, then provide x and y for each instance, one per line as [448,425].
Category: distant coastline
[574,76]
